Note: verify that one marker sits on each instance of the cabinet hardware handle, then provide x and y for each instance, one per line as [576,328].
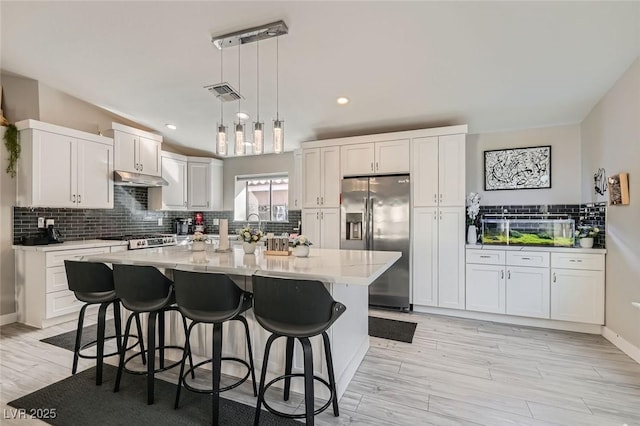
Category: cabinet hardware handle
[73,198]
[440,197]
[372,166]
[79,199]
[185,204]
[485,257]
[525,258]
[554,277]
[322,215]
[318,215]
[377,168]
[318,200]
[509,274]
[322,201]
[137,166]
[141,167]
[435,198]
[435,216]
[295,203]
[575,260]
[502,274]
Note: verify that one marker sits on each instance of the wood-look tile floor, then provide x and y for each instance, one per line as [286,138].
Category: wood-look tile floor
[456,371]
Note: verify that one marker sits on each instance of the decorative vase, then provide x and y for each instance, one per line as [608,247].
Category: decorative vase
[249,248]
[472,235]
[586,242]
[301,251]
[198,246]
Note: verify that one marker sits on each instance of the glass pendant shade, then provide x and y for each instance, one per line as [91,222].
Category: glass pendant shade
[278,136]
[258,138]
[221,140]
[239,139]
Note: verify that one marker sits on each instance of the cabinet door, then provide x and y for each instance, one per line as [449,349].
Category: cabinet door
[330,228]
[149,156]
[330,175]
[451,240]
[198,186]
[527,291]
[392,156]
[424,260]
[424,172]
[357,159]
[295,182]
[311,177]
[451,170]
[95,175]
[125,152]
[577,295]
[215,181]
[174,195]
[485,288]
[55,163]
[311,226]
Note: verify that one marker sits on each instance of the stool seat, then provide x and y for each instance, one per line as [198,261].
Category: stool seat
[96,296]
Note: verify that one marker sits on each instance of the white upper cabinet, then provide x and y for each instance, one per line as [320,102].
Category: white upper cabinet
[375,158]
[295,183]
[136,151]
[62,167]
[321,177]
[174,195]
[438,171]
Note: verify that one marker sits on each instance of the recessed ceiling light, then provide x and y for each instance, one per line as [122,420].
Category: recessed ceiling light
[171,126]
[342,100]
[242,116]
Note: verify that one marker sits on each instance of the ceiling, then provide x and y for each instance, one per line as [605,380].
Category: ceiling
[495,66]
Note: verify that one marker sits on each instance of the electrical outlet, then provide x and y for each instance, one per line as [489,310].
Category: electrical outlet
[159,221]
[216,222]
[49,222]
[41,222]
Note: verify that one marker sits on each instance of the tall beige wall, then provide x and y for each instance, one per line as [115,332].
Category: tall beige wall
[611,139]
[20,98]
[565,165]
[7,262]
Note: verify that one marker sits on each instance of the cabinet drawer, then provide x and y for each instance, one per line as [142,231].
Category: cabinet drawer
[488,257]
[57,258]
[594,262]
[56,279]
[62,303]
[528,258]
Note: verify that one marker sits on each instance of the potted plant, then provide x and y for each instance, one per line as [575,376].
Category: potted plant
[473,208]
[249,238]
[586,234]
[301,246]
[12,143]
[199,240]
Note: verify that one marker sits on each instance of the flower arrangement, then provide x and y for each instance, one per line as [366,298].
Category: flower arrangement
[199,236]
[473,207]
[250,235]
[587,231]
[300,240]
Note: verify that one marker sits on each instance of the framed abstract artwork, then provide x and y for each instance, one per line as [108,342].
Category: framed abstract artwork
[619,189]
[517,168]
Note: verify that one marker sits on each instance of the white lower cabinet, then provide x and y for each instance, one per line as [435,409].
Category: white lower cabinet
[527,291]
[322,227]
[486,288]
[577,295]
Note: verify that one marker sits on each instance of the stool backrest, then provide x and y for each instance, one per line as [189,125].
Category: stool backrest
[88,277]
[204,291]
[294,301]
[141,288]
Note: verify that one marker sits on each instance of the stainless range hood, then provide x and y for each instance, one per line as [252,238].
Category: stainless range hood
[137,179]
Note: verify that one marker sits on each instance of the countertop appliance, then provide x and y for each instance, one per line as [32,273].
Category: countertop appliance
[181,226]
[145,241]
[375,215]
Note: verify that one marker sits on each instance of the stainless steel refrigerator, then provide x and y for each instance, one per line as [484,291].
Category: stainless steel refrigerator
[375,216]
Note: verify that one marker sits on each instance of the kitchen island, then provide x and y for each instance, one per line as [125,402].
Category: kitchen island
[348,273]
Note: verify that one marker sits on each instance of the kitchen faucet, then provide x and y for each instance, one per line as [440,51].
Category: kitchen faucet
[259,221]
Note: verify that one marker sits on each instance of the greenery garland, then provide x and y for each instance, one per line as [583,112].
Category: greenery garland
[13,147]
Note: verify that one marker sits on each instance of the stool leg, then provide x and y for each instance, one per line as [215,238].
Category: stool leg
[140,339]
[288,366]
[187,345]
[243,320]
[123,352]
[117,319]
[332,379]
[309,397]
[215,371]
[76,350]
[265,363]
[102,313]
[151,356]
[161,337]
[187,349]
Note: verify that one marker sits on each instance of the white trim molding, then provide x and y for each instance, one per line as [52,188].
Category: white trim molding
[621,343]
[8,318]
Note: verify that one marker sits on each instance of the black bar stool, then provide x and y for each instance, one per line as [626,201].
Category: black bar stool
[296,309]
[92,283]
[212,299]
[144,289]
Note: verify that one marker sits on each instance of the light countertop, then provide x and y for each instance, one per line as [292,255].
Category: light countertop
[537,248]
[72,245]
[356,267]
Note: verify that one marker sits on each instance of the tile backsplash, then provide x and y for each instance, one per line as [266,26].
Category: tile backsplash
[128,216]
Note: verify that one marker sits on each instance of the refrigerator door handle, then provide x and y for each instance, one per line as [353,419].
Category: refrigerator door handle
[366,223]
[370,220]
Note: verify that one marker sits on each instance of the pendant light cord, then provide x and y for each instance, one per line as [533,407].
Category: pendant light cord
[277,78]
[239,87]
[258,78]
[222,80]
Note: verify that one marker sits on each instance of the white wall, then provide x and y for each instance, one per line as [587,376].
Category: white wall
[611,139]
[565,165]
[20,98]
[7,262]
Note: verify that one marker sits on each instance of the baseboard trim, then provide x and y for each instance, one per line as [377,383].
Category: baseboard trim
[622,344]
[8,318]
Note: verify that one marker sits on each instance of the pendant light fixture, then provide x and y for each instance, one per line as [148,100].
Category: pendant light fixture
[239,146]
[278,125]
[221,136]
[258,127]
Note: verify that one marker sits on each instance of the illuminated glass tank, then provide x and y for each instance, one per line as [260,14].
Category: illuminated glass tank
[529,232]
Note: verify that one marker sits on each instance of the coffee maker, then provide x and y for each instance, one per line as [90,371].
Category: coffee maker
[54,235]
[181,226]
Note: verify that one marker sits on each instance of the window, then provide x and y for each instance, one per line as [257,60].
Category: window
[266,196]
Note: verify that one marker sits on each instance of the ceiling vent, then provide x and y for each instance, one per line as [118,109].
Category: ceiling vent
[224,91]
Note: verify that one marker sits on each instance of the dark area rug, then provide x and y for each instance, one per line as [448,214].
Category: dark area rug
[89,333]
[402,331]
[78,401]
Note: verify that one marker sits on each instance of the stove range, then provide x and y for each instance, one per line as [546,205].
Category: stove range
[145,240]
